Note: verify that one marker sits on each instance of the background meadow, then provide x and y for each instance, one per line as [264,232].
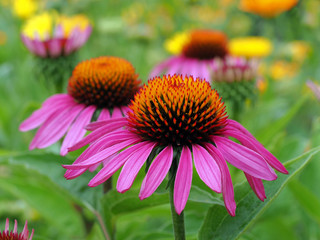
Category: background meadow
[285,118]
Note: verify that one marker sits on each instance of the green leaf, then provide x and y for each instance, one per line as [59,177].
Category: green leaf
[267,134]
[306,198]
[218,224]
[57,207]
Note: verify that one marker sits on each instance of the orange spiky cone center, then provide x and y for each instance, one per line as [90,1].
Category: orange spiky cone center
[178,111]
[105,82]
[206,44]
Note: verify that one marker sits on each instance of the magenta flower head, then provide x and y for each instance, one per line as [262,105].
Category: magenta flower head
[198,52]
[50,35]
[102,86]
[174,122]
[14,235]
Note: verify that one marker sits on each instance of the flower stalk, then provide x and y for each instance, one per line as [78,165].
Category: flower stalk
[177,220]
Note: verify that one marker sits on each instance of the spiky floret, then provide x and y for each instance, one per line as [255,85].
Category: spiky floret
[205,44]
[105,82]
[177,110]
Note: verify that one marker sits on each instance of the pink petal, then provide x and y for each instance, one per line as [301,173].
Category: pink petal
[15,228]
[175,66]
[204,72]
[71,174]
[227,188]
[157,172]
[99,124]
[116,113]
[39,48]
[257,186]
[237,131]
[132,167]
[54,47]
[52,104]
[244,158]
[104,115]
[105,142]
[183,180]
[160,68]
[25,231]
[31,235]
[7,225]
[207,168]
[55,127]
[102,155]
[107,128]
[77,130]
[114,164]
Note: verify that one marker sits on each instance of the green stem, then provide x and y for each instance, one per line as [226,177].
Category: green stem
[177,220]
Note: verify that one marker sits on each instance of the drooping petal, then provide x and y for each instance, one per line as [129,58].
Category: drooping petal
[116,113]
[234,129]
[54,47]
[99,124]
[131,169]
[157,172]
[160,68]
[51,105]
[55,127]
[115,163]
[207,168]
[77,130]
[257,186]
[107,128]
[183,180]
[102,155]
[175,66]
[244,158]
[227,187]
[104,115]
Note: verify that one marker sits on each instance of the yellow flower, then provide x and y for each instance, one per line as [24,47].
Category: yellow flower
[3,38]
[24,8]
[267,8]
[282,70]
[44,25]
[40,25]
[175,44]
[250,47]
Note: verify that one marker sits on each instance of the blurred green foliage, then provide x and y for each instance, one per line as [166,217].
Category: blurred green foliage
[285,118]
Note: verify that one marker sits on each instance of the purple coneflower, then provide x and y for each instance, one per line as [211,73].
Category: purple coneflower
[198,54]
[178,120]
[14,235]
[103,83]
[51,35]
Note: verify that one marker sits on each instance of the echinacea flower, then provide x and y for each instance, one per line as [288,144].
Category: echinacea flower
[14,235]
[197,50]
[267,8]
[250,47]
[235,80]
[51,35]
[315,88]
[178,120]
[105,83]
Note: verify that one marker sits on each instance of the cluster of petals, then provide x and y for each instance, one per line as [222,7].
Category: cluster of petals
[60,115]
[48,35]
[14,235]
[116,145]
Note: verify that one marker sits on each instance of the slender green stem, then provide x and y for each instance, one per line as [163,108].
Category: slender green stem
[237,109]
[177,220]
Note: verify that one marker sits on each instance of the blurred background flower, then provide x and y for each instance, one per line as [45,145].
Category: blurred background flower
[267,8]
[250,47]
